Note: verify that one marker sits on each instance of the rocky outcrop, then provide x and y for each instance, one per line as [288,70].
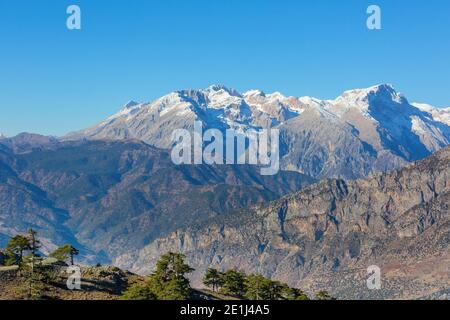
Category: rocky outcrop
[328,234]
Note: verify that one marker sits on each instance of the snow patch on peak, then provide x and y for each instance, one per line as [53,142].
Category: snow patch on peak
[220,96]
[127,111]
[381,90]
[276,96]
[171,98]
[383,87]
[362,99]
[130,104]
[311,101]
[254,93]
[437,114]
[222,89]
[424,106]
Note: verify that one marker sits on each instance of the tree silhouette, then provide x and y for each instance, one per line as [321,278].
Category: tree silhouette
[213,279]
[17,245]
[65,252]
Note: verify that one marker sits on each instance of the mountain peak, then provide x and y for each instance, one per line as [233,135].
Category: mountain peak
[130,104]
[277,95]
[377,89]
[220,87]
[383,86]
[385,90]
[371,111]
[254,93]
[360,97]
[217,87]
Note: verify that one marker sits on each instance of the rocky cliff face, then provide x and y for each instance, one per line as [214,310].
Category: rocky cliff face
[328,234]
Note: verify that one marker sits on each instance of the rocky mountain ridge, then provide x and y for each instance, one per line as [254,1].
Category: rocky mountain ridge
[329,233]
[360,132]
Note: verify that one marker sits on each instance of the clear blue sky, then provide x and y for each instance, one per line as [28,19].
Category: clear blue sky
[53,80]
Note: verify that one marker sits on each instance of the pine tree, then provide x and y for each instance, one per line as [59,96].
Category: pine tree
[138,292]
[294,294]
[324,295]
[31,262]
[257,287]
[16,247]
[64,253]
[168,282]
[233,283]
[213,279]
[275,290]
[34,243]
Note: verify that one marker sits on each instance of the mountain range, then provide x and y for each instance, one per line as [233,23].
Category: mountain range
[113,197]
[360,132]
[350,191]
[328,234]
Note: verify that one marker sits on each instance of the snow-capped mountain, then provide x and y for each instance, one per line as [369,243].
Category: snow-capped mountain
[385,118]
[437,114]
[361,131]
[217,106]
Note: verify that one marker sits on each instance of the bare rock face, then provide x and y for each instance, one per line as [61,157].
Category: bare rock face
[328,234]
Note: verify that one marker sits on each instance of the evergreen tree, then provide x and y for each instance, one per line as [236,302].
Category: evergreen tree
[275,290]
[294,294]
[168,282]
[233,283]
[31,264]
[257,287]
[138,292]
[16,247]
[33,242]
[33,245]
[324,295]
[64,253]
[173,289]
[172,265]
[213,279]
[260,288]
